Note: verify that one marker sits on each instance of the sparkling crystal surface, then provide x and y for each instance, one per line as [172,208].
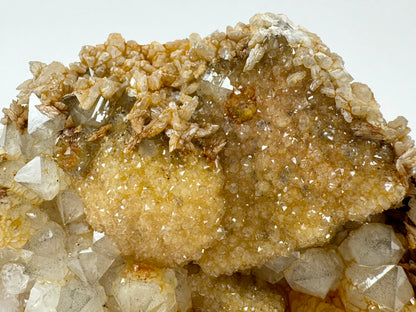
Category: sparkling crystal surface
[384,287]
[194,175]
[316,272]
[144,288]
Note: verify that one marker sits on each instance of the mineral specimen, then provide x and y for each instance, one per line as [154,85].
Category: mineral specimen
[244,171]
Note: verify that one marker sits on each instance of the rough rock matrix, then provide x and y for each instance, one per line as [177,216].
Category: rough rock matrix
[244,171]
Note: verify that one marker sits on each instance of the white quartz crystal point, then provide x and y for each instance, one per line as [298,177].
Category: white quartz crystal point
[35,118]
[9,141]
[143,288]
[317,272]
[43,176]
[14,278]
[272,271]
[372,244]
[77,296]
[69,205]
[44,297]
[8,302]
[378,288]
[49,260]
[41,139]
[183,290]
[90,264]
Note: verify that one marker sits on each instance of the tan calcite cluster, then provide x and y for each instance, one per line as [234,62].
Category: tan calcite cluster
[224,152]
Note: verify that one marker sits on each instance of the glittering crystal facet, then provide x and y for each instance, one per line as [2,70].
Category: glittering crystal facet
[385,287]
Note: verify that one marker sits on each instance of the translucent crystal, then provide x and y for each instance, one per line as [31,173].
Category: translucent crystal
[183,290]
[35,117]
[383,287]
[42,140]
[49,260]
[316,272]
[372,244]
[272,271]
[20,256]
[42,176]
[14,279]
[69,205]
[48,241]
[95,116]
[8,302]
[9,140]
[77,296]
[214,86]
[90,264]
[142,288]
[44,297]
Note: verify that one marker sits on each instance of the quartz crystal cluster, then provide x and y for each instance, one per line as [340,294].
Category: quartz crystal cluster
[244,171]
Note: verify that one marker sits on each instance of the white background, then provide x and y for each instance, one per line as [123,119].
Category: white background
[377,39]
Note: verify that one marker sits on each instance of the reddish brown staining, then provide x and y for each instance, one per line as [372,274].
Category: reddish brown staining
[241,105]
[3,192]
[211,148]
[99,134]
[18,114]
[68,151]
[140,272]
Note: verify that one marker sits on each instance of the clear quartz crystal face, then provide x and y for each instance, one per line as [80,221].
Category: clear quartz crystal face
[385,287]
[372,244]
[272,271]
[316,272]
[44,296]
[43,176]
[14,278]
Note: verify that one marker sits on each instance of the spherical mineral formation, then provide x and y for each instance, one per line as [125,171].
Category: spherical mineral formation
[241,147]
[159,208]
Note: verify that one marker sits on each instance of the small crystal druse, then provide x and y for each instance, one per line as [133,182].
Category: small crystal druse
[244,171]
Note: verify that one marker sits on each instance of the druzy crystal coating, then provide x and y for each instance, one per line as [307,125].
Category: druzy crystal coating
[244,171]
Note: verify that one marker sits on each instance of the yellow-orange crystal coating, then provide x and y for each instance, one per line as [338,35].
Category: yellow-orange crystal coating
[243,171]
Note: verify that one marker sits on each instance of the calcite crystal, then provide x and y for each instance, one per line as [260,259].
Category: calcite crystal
[244,171]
